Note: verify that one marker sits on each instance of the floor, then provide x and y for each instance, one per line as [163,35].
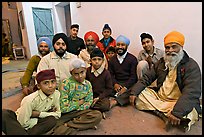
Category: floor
[119,120]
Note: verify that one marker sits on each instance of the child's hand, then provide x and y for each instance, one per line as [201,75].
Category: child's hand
[53,109]
[35,114]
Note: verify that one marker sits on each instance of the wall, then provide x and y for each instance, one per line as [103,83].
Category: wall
[133,18]
[12,16]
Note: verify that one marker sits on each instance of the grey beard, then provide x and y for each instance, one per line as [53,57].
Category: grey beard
[172,61]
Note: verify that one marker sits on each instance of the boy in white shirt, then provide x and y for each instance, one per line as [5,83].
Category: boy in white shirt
[38,112]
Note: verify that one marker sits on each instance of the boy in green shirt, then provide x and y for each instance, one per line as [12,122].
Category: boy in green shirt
[76,98]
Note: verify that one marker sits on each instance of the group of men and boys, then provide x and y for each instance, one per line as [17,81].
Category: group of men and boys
[80,80]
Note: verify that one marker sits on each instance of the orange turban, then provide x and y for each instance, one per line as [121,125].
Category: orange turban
[93,34]
[174,36]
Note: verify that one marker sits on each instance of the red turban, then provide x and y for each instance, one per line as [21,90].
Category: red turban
[93,34]
[45,75]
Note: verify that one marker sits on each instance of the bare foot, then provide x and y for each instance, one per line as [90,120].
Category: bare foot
[113,103]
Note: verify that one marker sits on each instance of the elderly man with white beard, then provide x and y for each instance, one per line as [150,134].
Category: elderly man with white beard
[176,97]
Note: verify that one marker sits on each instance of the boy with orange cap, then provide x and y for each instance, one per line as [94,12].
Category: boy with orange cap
[176,97]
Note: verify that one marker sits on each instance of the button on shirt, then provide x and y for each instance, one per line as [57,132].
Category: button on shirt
[40,102]
[157,54]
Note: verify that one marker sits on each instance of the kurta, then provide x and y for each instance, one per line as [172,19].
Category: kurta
[61,65]
[165,99]
[40,102]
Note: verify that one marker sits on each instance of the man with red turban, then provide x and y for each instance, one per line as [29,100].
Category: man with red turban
[91,39]
[176,97]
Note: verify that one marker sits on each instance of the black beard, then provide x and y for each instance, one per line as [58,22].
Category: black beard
[122,53]
[60,54]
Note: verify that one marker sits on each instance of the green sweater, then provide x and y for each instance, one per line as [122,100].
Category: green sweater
[71,92]
[32,66]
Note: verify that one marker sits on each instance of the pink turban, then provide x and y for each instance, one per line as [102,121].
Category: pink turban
[93,34]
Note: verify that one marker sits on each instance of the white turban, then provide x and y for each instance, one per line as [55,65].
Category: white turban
[76,63]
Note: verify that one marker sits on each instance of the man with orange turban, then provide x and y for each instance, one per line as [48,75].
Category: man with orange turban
[91,39]
[176,97]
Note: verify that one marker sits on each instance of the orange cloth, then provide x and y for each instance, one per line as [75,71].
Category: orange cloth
[174,36]
[93,34]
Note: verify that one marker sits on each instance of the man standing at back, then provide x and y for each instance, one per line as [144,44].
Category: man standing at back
[76,44]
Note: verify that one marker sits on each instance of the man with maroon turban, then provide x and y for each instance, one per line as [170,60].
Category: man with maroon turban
[58,59]
[176,97]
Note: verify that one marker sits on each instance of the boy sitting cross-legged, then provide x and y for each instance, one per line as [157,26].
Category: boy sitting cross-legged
[101,81]
[38,112]
[76,99]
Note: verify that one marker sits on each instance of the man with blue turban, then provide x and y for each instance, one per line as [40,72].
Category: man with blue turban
[122,67]
[27,81]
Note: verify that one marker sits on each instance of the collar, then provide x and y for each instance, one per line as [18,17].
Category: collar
[98,71]
[43,96]
[123,56]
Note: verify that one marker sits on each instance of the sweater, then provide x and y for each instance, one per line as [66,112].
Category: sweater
[125,73]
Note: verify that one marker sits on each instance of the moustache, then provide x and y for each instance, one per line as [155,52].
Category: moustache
[171,54]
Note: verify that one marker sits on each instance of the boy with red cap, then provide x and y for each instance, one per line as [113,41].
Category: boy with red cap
[38,112]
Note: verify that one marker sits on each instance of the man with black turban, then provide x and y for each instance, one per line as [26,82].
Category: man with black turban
[58,59]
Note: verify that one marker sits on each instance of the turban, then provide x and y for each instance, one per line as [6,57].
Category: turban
[93,34]
[106,26]
[58,36]
[174,36]
[76,63]
[96,52]
[45,75]
[46,40]
[124,39]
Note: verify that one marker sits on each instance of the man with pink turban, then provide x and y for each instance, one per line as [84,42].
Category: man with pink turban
[91,39]
[176,97]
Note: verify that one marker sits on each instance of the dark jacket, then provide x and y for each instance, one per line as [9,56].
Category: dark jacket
[188,80]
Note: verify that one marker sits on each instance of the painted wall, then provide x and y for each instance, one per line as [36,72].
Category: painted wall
[133,18]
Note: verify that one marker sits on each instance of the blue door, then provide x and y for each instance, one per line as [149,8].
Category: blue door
[43,23]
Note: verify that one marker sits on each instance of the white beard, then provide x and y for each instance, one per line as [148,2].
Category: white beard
[172,60]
